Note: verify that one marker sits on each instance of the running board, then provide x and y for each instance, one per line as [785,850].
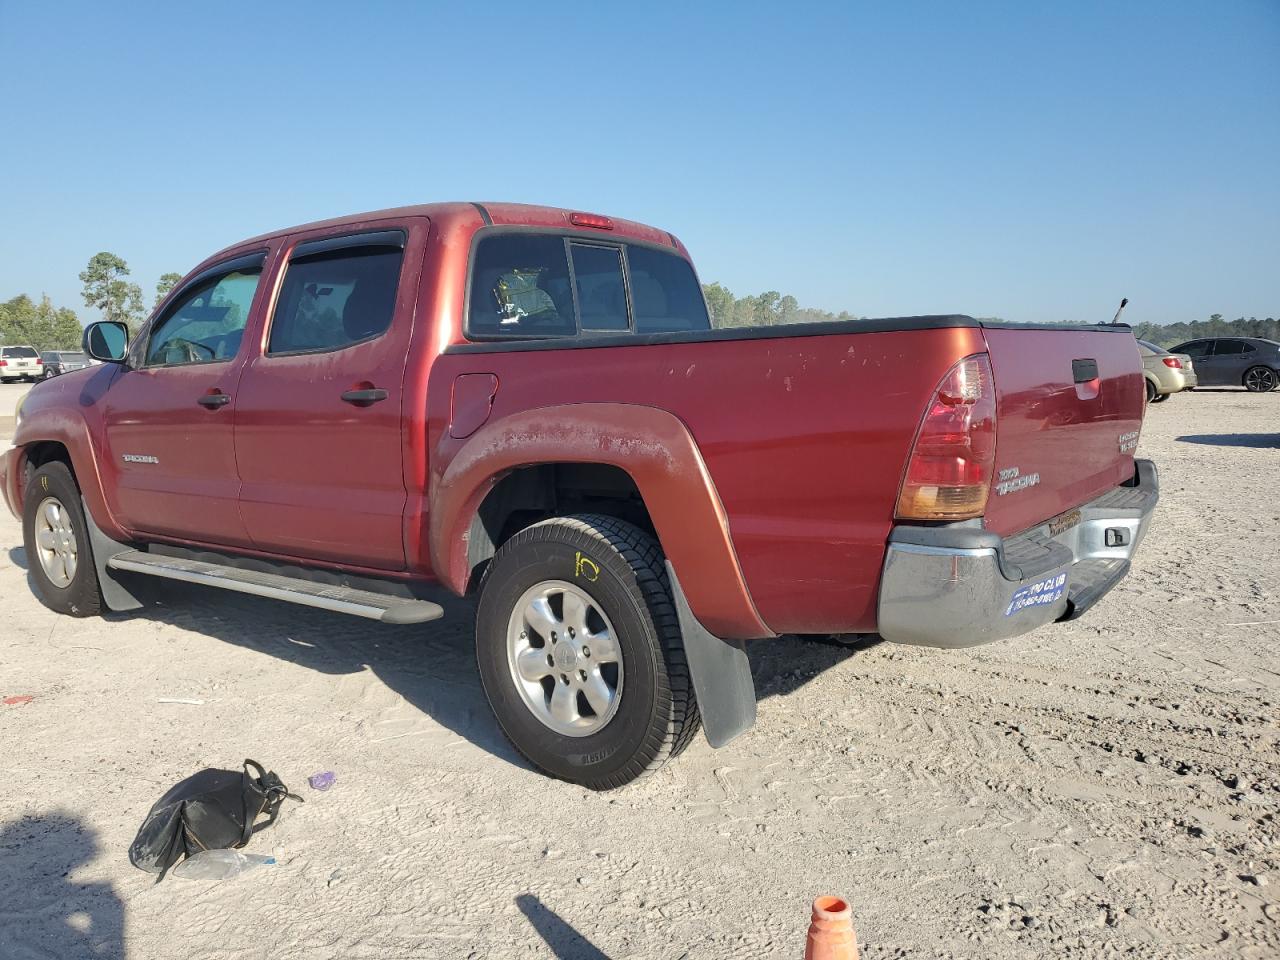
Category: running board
[359,603]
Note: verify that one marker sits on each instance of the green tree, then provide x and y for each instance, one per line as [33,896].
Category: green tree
[166,283]
[720,303]
[106,288]
[40,325]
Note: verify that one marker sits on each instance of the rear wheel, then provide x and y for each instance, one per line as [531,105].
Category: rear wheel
[57,543]
[1151,392]
[1161,397]
[1260,379]
[580,652]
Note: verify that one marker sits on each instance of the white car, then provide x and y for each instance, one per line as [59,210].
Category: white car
[20,363]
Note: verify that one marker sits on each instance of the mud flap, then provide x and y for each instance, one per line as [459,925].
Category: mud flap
[114,595]
[721,674]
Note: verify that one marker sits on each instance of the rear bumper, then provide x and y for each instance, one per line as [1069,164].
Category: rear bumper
[962,586]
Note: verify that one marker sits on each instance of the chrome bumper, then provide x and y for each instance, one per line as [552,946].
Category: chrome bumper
[957,586]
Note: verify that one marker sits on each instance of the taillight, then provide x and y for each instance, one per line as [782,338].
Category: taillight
[949,473]
[1172,362]
[4,363]
[39,362]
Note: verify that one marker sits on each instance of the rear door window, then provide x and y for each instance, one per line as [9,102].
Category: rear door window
[1226,348]
[601,290]
[335,299]
[665,294]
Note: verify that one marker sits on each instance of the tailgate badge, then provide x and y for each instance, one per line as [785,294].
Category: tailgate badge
[1129,441]
[1011,480]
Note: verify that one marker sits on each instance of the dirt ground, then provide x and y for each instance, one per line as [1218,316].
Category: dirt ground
[1105,788]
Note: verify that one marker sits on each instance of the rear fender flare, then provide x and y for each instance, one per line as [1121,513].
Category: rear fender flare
[660,455]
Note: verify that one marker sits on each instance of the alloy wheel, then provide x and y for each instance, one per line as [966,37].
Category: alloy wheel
[56,544]
[564,658]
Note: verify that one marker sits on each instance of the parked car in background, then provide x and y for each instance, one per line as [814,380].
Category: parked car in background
[1166,373]
[1249,362]
[58,362]
[20,363]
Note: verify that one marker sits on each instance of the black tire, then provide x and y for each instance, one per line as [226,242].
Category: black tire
[1260,379]
[1161,397]
[81,597]
[657,714]
[6,380]
[1151,391]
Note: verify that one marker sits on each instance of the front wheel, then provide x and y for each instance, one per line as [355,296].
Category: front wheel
[1260,379]
[580,653]
[57,544]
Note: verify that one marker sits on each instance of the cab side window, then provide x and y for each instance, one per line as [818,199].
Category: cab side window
[336,298]
[206,325]
[1226,348]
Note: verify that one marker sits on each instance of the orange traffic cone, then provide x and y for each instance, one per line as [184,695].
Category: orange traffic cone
[831,934]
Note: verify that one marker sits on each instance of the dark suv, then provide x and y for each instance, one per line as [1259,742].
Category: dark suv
[1250,362]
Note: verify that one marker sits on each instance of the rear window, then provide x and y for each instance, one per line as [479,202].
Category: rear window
[543,285]
[19,352]
[73,358]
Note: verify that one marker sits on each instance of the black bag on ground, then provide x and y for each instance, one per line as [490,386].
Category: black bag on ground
[210,810]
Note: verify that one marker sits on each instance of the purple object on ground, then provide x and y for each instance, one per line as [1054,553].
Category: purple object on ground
[322,781]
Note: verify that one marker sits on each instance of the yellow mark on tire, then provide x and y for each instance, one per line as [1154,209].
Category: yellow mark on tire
[586,567]
[44,484]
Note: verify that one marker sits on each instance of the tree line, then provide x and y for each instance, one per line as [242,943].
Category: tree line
[1172,334]
[766,309]
[105,285]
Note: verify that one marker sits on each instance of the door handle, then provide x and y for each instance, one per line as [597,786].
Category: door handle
[364,397]
[214,400]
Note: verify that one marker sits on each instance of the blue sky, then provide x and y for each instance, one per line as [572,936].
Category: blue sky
[1031,161]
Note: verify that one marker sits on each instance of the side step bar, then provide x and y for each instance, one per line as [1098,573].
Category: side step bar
[359,603]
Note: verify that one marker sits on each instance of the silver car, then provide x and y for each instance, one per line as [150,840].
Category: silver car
[20,363]
[1166,373]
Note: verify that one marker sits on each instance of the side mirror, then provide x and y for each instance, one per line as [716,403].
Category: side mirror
[106,340]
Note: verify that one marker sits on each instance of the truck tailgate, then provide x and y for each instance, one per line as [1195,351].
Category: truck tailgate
[1069,405]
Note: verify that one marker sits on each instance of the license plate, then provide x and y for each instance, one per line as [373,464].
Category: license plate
[1064,522]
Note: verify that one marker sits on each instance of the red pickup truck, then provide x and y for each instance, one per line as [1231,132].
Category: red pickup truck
[531,405]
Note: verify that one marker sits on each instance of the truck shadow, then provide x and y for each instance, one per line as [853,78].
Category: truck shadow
[431,665]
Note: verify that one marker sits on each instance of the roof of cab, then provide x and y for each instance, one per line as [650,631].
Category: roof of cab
[499,213]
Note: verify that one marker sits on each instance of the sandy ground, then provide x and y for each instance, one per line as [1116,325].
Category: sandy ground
[1105,788]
